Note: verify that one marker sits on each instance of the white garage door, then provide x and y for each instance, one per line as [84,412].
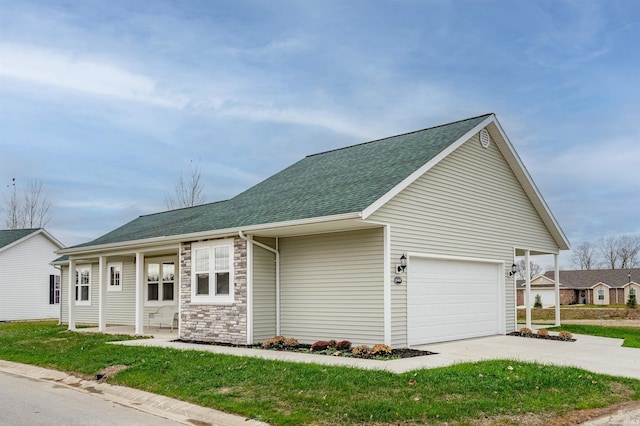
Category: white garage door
[452,299]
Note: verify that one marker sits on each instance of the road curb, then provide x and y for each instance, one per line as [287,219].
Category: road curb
[157,405]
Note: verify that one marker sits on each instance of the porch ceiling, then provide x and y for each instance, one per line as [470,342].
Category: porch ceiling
[521,252]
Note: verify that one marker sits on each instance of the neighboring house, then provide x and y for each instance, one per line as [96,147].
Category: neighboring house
[30,285]
[592,287]
[317,250]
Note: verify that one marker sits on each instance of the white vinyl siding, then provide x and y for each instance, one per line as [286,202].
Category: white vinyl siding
[470,205]
[24,280]
[332,287]
[264,293]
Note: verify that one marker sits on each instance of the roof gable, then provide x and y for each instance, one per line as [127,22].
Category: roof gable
[12,237]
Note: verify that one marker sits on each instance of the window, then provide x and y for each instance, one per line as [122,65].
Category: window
[114,272]
[160,282]
[83,285]
[632,291]
[600,294]
[212,275]
[54,289]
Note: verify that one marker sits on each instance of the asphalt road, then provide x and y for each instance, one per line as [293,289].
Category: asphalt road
[25,401]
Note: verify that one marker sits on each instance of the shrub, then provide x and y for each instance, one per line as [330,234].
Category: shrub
[525,330]
[381,350]
[565,335]
[362,351]
[291,343]
[343,345]
[632,303]
[323,345]
[543,332]
[276,342]
[538,302]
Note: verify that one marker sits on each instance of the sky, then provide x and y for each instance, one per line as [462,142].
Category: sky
[106,103]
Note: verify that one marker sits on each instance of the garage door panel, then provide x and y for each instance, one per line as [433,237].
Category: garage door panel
[451,299]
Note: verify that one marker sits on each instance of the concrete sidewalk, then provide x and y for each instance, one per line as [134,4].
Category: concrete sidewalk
[158,405]
[596,354]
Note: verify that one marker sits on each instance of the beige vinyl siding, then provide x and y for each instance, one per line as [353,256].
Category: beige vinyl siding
[120,305]
[264,292]
[332,287]
[627,292]
[84,314]
[470,205]
[596,299]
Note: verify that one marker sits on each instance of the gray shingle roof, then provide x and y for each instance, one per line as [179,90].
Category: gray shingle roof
[584,279]
[8,236]
[340,181]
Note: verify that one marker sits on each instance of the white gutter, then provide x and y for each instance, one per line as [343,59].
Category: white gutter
[277,253]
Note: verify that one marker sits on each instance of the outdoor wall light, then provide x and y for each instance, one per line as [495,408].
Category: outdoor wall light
[514,270]
[402,267]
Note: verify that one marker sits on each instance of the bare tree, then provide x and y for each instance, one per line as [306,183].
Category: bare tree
[188,191]
[628,251]
[584,256]
[29,211]
[609,251]
[534,269]
[12,208]
[36,205]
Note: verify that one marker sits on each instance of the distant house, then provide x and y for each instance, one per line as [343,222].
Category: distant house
[30,285]
[404,240]
[592,287]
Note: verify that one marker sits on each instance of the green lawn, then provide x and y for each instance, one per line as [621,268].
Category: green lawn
[631,335]
[284,393]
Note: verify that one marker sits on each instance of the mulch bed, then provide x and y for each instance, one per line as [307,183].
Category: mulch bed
[302,348]
[536,336]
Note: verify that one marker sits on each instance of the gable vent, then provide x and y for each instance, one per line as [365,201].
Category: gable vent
[485,139]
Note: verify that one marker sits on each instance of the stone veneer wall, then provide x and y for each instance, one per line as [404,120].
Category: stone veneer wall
[215,323]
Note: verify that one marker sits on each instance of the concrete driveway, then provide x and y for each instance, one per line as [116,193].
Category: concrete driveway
[596,354]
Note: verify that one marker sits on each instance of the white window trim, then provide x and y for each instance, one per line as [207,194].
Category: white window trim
[600,293]
[82,302]
[161,260]
[111,287]
[212,299]
[57,289]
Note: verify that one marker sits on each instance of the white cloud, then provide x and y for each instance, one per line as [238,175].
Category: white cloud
[67,71]
[308,117]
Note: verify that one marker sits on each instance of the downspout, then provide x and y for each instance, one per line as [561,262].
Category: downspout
[277,253]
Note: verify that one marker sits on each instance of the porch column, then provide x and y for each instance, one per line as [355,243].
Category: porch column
[527,277]
[102,299]
[139,293]
[557,288]
[71,295]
